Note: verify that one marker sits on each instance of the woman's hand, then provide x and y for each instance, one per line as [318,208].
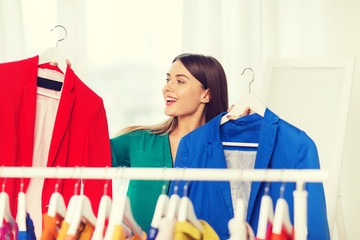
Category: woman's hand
[247,111]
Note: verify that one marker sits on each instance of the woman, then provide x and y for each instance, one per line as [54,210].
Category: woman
[195,92]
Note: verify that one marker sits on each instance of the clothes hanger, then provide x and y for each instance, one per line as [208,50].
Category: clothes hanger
[21,209]
[5,212]
[121,213]
[56,204]
[266,214]
[186,211]
[174,203]
[103,214]
[53,54]
[282,217]
[160,209]
[244,101]
[82,212]
[237,225]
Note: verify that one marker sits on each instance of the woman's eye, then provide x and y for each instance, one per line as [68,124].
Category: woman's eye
[167,80]
[180,82]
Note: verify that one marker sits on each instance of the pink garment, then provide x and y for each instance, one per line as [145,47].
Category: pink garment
[9,232]
[166,229]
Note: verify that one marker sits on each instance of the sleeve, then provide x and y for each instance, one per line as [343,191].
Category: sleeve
[316,214]
[120,151]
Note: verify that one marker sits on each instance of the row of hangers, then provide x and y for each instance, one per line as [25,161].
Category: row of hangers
[79,210]
[182,209]
[175,207]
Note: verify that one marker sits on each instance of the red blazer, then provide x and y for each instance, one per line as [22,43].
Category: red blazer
[80,136]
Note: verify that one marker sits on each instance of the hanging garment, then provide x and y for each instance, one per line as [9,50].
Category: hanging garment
[121,233]
[80,136]
[283,235]
[84,232]
[51,227]
[186,231]
[281,146]
[29,234]
[8,233]
[142,149]
[152,233]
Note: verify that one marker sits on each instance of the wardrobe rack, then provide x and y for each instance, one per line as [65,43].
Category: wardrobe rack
[300,177]
[191,174]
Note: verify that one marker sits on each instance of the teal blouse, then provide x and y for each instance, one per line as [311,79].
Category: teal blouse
[142,149]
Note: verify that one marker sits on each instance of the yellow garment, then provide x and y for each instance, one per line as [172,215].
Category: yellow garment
[84,231]
[119,234]
[63,230]
[186,231]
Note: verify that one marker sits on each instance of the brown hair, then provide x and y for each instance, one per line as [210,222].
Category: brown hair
[209,72]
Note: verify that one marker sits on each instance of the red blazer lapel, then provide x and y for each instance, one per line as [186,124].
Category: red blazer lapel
[63,115]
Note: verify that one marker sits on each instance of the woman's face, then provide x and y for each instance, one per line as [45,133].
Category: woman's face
[183,93]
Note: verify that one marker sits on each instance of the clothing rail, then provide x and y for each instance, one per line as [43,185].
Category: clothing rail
[190,174]
[300,177]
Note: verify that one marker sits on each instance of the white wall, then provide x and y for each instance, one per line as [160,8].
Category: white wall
[331,29]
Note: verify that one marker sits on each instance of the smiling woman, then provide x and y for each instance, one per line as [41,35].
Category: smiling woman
[195,92]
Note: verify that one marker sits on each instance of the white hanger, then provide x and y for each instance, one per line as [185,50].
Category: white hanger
[186,211]
[244,101]
[57,204]
[54,54]
[237,225]
[266,214]
[121,212]
[103,214]
[174,204]
[282,217]
[5,212]
[83,210]
[21,209]
[160,209]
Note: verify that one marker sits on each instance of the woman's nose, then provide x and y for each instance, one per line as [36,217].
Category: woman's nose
[169,86]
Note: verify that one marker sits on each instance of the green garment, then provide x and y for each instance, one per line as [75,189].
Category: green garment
[142,149]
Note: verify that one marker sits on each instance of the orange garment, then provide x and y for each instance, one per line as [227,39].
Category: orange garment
[51,227]
[137,237]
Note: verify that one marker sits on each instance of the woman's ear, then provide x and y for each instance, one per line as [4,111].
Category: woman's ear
[206,96]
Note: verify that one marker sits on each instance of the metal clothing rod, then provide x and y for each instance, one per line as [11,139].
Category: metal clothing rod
[190,174]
